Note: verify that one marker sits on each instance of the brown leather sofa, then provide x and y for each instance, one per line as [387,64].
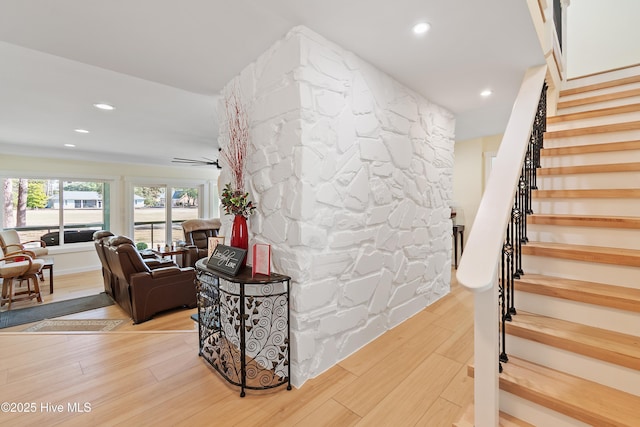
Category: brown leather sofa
[140,290]
[196,236]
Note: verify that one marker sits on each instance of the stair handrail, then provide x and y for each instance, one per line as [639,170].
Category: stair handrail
[478,269]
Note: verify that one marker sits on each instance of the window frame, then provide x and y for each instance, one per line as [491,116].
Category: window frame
[107,201]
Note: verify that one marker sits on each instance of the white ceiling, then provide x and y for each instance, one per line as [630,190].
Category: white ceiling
[163,62]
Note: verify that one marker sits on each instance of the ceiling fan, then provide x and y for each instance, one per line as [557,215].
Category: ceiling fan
[195,162]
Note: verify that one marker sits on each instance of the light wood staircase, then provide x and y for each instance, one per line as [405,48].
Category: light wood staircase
[574,346]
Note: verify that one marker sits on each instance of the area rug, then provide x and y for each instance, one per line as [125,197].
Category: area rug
[53,309]
[79,325]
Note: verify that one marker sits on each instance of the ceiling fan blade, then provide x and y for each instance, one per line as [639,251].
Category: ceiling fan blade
[195,162]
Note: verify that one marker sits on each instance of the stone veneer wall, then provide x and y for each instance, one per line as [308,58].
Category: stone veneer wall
[352,175]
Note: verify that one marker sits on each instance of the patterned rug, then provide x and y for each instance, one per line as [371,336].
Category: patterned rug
[79,325]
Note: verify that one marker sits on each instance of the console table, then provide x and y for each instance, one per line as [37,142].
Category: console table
[243,326]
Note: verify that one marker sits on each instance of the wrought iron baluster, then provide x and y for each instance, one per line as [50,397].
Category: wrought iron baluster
[516,233]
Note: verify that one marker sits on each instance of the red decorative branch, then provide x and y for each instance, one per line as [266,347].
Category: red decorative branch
[235,152]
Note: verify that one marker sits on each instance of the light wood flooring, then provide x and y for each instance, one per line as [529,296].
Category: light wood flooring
[151,374]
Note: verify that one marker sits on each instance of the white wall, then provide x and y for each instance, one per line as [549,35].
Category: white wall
[469,176]
[82,257]
[352,175]
[602,35]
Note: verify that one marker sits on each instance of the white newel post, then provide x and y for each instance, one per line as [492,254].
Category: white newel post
[486,317]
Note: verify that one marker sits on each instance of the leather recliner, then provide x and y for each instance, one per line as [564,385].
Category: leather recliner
[141,291]
[196,236]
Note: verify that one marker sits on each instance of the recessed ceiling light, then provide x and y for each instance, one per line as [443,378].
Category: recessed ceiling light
[486,93]
[421,28]
[81,130]
[70,145]
[103,106]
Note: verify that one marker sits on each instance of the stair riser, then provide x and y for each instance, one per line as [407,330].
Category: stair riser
[598,92]
[534,413]
[628,156]
[622,321]
[611,207]
[602,77]
[592,138]
[599,105]
[590,181]
[596,370]
[589,236]
[595,121]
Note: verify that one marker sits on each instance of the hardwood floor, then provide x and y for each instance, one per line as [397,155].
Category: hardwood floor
[151,374]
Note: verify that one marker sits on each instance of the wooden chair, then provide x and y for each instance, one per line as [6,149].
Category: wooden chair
[19,266]
[10,242]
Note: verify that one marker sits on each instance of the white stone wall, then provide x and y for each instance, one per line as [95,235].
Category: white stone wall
[352,175]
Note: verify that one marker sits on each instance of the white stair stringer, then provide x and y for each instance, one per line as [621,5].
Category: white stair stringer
[609,374]
[596,316]
[535,414]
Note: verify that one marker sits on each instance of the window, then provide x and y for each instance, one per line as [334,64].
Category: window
[158,222]
[38,208]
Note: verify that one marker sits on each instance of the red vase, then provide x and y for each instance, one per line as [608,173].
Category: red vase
[240,235]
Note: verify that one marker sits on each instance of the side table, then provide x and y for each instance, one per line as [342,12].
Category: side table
[243,326]
[48,265]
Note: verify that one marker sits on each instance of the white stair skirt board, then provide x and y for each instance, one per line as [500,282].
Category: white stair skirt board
[534,413]
[587,236]
[578,312]
[612,207]
[595,370]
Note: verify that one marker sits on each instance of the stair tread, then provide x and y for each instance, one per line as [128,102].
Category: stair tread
[590,130]
[596,254]
[601,85]
[601,168]
[576,397]
[591,148]
[604,193]
[603,221]
[505,420]
[599,98]
[620,297]
[621,109]
[610,346]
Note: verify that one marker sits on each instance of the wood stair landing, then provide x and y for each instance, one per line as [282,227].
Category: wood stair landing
[575,397]
[602,344]
[603,221]
[619,297]
[594,254]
